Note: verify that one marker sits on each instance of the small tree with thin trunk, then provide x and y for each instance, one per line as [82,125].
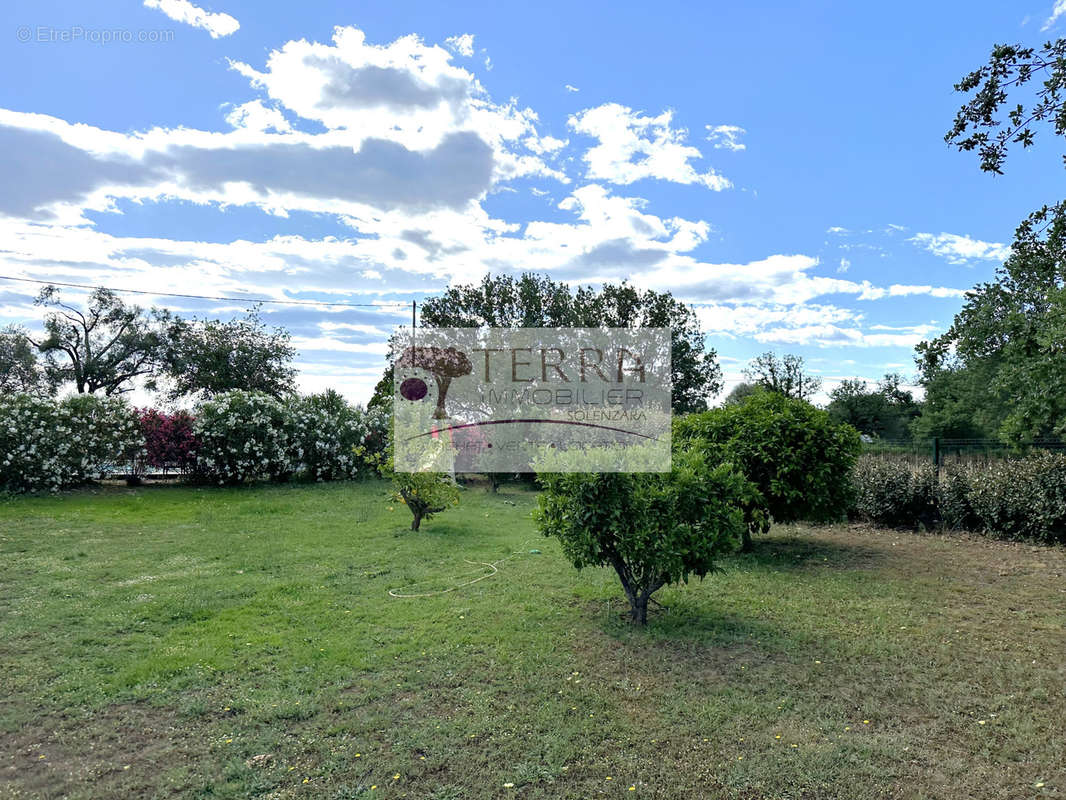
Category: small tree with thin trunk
[653,529]
[426,492]
[444,363]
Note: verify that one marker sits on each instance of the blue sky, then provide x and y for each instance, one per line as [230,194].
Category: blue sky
[782,166]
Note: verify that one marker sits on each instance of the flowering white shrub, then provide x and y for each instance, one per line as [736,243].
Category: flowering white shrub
[243,436]
[326,434]
[48,444]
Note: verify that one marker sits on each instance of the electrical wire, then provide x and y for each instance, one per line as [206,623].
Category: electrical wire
[383,304]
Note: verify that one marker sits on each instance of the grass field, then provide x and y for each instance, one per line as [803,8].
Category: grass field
[165,642]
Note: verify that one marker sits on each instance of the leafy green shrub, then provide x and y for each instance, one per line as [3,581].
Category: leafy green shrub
[243,436]
[1022,498]
[425,494]
[799,459]
[654,529]
[48,444]
[429,491]
[953,499]
[895,493]
[1009,498]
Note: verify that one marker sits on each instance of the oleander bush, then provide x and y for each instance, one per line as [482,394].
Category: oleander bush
[953,499]
[170,439]
[1021,498]
[48,444]
[330,439]
[243,436]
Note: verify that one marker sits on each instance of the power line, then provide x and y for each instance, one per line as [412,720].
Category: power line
[383,304]
[209,297]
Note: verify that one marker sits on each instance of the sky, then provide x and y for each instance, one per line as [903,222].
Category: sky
[780,165]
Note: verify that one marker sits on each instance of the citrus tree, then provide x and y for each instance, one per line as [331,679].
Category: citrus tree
[653,528]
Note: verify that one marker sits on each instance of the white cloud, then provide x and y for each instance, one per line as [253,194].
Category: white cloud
[278,172]
[570,88]
[633,147]
[463,45]
[845,265]
[216,24]
[726,137]
[1056,12]
[402,146]
[960,249]
[805,325]
[406,92]
[255,116]
[404,128]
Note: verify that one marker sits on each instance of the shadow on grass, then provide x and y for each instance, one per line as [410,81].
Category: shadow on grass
[796,551]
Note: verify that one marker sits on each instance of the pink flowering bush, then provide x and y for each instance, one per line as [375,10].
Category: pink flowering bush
[170,441]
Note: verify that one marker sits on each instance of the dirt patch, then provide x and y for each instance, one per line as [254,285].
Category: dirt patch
[118,751]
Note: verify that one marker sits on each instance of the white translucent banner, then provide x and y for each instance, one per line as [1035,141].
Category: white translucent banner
[532,399]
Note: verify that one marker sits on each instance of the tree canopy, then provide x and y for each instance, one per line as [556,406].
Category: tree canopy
[105,347]
[537,301]
[1000,367]
[884,411]
[210,357]
[20,371]
[785,375]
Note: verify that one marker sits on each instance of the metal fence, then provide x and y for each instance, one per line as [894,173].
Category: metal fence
[943,452]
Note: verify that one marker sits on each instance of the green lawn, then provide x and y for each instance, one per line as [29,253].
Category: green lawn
[215,643]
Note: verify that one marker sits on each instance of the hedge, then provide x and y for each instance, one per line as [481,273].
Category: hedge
[1013,498]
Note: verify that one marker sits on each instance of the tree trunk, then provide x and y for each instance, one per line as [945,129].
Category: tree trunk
[638,610]
[416,519]
[638,596]
[745,540]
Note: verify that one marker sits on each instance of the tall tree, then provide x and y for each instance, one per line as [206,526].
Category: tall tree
[536,301]
[884,411]
[741,392]
[785,375]
[209,357]
[1001,367]
[1003,357]
[105,347]
[19,370]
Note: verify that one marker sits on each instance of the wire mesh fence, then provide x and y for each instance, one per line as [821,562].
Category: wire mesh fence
[945,452]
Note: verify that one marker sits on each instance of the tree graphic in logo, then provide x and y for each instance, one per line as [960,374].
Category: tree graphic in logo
[444,363]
